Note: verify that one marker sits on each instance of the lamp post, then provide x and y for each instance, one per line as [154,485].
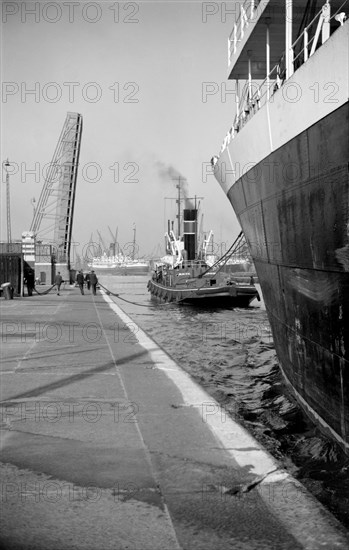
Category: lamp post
[6,165]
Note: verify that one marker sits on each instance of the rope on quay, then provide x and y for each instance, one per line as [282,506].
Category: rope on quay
[110,293]
[45,291]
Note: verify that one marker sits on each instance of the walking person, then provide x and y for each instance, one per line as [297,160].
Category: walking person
[93,281]
[87,279]
[80,280]
[58,282]
[30,281]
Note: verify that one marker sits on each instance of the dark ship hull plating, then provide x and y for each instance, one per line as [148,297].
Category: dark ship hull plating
[284,167]
[305,282]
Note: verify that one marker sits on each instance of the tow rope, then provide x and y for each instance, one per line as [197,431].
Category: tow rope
[110,293]
[45,291]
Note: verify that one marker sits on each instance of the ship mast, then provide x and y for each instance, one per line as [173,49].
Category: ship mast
[8,207]
[134,241]
[179,208]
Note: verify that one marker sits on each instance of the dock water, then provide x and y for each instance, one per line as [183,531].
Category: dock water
[108,443]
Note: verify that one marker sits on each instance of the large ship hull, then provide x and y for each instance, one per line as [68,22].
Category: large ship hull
[301,254]
[293,206]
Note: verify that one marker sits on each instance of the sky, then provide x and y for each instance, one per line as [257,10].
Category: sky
[149,79]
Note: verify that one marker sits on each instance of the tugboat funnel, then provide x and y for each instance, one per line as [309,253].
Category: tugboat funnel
[189,232]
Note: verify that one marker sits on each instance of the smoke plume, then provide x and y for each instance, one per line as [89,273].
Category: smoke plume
[170,175]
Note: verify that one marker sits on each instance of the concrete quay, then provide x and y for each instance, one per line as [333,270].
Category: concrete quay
[108,444]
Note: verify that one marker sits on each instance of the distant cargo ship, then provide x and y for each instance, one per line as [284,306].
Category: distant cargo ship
[119,265]
[284,167]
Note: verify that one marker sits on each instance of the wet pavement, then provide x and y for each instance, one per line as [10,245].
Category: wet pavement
[107,443]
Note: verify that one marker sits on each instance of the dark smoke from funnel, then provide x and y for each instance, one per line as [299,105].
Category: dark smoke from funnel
[169,174]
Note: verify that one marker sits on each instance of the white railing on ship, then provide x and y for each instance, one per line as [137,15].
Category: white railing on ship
[323,25]
[304,53]
[246,16]
[254,96]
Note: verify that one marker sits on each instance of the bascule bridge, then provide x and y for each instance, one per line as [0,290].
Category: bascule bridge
[53,217]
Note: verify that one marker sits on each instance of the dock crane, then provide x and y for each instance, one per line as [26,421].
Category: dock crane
[101,240]
[90,251]
[114,243]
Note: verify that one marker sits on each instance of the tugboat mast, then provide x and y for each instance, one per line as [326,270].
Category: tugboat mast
[134,241]
[179,208]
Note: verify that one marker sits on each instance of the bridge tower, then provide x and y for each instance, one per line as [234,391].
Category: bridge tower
[53,216]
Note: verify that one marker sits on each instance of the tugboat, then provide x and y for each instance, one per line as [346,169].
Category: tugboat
[185,276]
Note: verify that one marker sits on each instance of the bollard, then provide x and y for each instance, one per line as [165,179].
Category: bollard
[7,290]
